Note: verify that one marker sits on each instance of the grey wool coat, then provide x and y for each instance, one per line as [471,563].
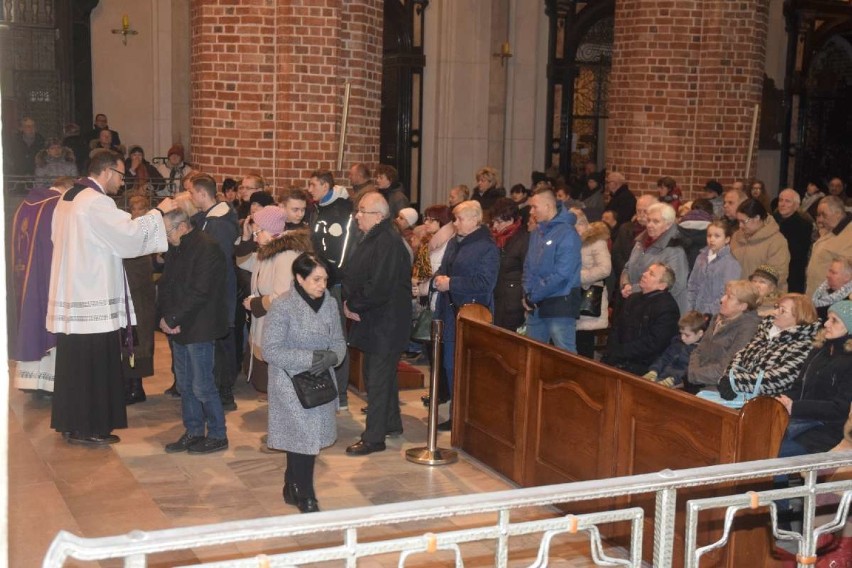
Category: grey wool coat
[292,332]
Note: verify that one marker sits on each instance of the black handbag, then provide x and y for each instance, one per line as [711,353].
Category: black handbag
[314,390]
[421,329]
[590,304]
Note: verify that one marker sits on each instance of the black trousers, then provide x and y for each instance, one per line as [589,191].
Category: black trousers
[383,389]
[300,470]
[586,343]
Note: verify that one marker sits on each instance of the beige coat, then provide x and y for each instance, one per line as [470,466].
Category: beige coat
[824,250]
[766,246]
[596,266]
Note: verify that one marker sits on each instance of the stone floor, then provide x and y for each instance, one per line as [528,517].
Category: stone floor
[135,485]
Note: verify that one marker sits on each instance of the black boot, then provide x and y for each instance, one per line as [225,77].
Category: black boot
[135,393]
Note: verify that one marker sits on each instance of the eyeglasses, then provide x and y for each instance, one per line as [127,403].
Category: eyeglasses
[782,309]
[170,231]
[122,174]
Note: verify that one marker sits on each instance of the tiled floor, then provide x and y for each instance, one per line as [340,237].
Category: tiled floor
[135,485]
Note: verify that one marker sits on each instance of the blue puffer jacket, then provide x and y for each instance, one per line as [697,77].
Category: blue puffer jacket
[552,266]
[472,266]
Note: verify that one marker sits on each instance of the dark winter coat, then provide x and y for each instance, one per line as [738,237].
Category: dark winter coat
[797,230]
[396,198]
[220,222]
[823,391]
[192,289]
[334,232]
[48,168]
[623,202]
[472,266]
[674,361]
[377,287]
[509,290]
[489,197]
[642,331]
[780,358]
[18,156]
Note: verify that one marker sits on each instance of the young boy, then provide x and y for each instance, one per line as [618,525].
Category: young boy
[670,368]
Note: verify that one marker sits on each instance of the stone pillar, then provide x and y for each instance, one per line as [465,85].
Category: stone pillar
[268,82]
[686,76]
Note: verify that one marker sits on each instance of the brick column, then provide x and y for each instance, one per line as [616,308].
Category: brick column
[268,82]
[686,75]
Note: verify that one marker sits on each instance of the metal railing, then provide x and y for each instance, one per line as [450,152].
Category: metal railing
[344,525]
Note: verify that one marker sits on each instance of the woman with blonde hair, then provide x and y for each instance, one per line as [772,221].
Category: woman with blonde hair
[596,265]
[776,353]
[487,189]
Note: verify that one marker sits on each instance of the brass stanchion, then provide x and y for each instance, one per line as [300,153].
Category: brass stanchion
[432,454]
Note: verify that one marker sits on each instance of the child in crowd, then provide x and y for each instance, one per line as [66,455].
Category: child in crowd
[670,368]
[714,267]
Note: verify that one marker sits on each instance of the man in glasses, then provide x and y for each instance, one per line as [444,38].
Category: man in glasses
[89,306]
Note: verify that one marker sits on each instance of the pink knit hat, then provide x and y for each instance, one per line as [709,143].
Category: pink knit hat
[270,219]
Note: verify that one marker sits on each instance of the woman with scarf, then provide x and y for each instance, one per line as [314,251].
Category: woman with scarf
[303,333]
[512,240]
[271,275]
[434,233]
[776,354]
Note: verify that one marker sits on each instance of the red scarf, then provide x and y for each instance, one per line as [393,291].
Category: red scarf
[503,236]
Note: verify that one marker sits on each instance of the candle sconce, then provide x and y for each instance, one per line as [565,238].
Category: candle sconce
[505,53]
[125,29]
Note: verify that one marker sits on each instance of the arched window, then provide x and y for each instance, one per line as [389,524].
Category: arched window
[579,62]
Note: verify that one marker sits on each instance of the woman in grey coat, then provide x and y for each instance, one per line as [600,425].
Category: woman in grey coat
[302,332]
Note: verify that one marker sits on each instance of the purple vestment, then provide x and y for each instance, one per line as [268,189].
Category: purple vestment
[32,250]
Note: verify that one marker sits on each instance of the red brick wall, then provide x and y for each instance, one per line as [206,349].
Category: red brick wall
[268,81]
[686,75]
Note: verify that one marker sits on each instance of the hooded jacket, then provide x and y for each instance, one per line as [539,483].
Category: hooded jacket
[334,231]
[766,246]
[552,265]
[708,279]
[596,266]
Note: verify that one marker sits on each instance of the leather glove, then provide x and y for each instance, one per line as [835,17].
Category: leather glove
[322,361]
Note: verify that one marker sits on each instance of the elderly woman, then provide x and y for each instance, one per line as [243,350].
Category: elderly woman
[729,331]
[468,275]
[658,243]
[271,275]
[777,351]
[54,161]
[512,239]
[819,402]
[596,265]
[303,334]
[836,286]
[759,241]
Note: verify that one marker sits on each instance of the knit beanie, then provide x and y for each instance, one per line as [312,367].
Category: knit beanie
[270,219]
[843,310]
[410,215]
[766,272]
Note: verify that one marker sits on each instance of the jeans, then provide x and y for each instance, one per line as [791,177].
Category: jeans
[562,331]
[200,404]
[225,366]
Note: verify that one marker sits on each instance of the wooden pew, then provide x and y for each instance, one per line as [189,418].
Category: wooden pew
[539,416]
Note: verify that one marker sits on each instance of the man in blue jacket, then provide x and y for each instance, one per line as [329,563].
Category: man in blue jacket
[552,274]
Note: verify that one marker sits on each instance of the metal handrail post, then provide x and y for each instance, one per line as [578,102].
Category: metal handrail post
[431,454]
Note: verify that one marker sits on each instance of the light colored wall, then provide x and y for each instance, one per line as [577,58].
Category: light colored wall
[132,84]
[474,109]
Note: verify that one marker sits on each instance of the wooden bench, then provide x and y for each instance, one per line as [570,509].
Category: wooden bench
[539,416]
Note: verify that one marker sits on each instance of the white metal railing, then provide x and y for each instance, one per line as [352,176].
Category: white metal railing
[135,546]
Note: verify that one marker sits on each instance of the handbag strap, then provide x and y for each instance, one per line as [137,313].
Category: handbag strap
[757,384]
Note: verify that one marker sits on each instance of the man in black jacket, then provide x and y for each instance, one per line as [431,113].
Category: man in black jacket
[646,325]
[333,233]
[621,200]
[194,314]
[797,229]
[377,294]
